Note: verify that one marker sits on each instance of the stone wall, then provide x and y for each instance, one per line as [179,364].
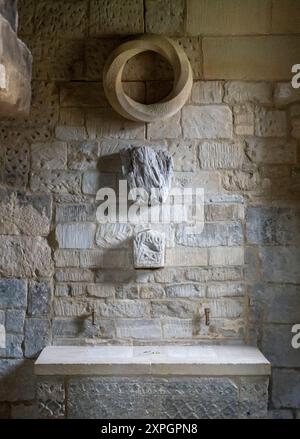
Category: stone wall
[238,137]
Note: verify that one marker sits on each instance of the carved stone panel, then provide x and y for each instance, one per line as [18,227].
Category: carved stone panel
[149,249]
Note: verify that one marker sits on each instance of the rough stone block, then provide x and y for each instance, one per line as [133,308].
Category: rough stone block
[149,250]
[17,380]
[280,264]
[272,225]
[240,92]
[285,94]
[66,258]
[207,92]
[13,293]
[165,16]
[185,398]
[270,151]
[184,257]
[58,182]
[207,122]
[254,397]
[226,290]
[83,155]
[165,129]
[244,120]
[113,235]
[68,133]
[183,154]
[212,235]
[37,336]
[185,290]
[39,298]
[83,328]
[67,19]
[257,58]
[122,308]
[51,397]
[15,319]
[76,235]
[2,337]
[15,65]
[48,156]
[138,329]
[270,123]
[220,155]
[24,214]
[74,275]
[25,257]
[286,388]
[13,346]
[118,18]
[235,17]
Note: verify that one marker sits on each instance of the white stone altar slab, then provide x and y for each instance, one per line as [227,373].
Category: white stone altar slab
[204,360]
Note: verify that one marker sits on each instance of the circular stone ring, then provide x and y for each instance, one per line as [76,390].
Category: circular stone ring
[127,107]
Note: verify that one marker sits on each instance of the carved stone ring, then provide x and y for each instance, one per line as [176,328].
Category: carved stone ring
[129,108]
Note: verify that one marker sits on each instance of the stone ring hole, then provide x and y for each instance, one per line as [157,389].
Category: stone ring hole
[167,107]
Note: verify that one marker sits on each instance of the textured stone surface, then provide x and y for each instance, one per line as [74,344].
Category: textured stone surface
[286,388]
[212,235]
[150,171]
[25,257]
[138,328]
[17,380]
[238,92]
[254,397]
[13,293]
[24,214]
[270,123]
[113,235]
[165,17]
[207,92]
[39,301]
[75,235]
[280,264]
[149,250]
[51,397]
[117,17]
[48,156]
[37,336]
[220,155]
[207,122]
[153,398]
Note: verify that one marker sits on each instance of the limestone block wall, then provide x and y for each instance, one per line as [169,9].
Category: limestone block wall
[237,137]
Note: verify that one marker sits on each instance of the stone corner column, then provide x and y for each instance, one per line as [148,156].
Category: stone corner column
[15,65]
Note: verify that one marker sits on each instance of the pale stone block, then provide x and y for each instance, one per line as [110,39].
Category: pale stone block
[209,181]
[207,92]
[59,182]
[207,122]
[270,123]
[165,16]
[238,92]
[226,256]
[226,290]
[111,235]
[165,129]
[122,308]
[285,16]
[250,58]
[48,156]
[244,120]
[66,258]
[138,328]
[120,18]
[100,290]
[74,275]
[185,290]
[151,291]
[69,308]
[70,133]
[235,17]
[94,180]
[219,155]
[188,256]
[177,328]
[76,235]
[91,258]
[105,123]
[25,257]
[183,154]
[224,212]
[210,234]
[285,94]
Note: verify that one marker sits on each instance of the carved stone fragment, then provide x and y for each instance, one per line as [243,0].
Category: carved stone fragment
[149,249]
[149,171]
